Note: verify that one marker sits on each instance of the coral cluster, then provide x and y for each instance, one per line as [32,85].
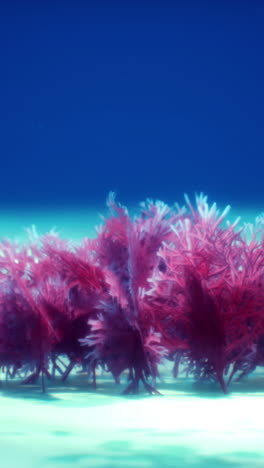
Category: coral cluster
[172,283]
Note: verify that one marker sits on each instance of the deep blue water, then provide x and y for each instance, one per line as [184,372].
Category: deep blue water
[150,99]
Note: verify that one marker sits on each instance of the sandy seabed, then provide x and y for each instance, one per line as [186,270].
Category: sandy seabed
[190,425]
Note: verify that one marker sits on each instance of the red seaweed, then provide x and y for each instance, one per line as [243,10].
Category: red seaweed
[171,283]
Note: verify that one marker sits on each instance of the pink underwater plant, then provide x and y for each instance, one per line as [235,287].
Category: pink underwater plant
[26,329]
[82,285]
[195,294]
[171,283]
[127,252]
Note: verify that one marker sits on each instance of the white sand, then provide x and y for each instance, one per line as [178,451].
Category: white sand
[189,426]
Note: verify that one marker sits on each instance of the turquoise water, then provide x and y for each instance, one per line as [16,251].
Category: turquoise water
[72,223]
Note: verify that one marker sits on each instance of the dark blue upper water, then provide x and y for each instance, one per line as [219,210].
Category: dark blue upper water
[150,99]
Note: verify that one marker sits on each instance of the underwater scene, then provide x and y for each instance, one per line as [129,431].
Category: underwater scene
[131,234]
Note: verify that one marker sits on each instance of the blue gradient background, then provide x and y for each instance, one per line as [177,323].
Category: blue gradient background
[150,99]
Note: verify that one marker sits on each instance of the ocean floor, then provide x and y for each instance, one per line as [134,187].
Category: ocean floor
[73,425]
[189,425]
